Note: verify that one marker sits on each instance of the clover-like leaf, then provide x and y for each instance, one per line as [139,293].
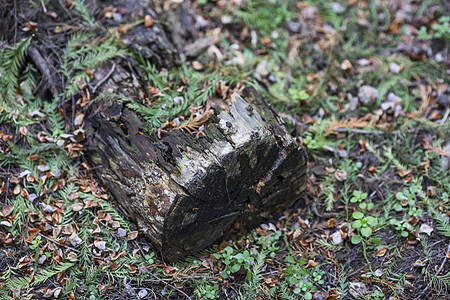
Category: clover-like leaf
[357,215]
[356,239]
[357,224]
[372,221]
[366,231]
[235,268]
[400,196]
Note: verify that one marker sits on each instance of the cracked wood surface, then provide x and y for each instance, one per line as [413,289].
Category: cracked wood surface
[185,192]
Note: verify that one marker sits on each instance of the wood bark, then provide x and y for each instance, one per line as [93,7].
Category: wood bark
[184,191]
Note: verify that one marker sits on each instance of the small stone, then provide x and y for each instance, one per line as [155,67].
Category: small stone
[337,7]
[178,100]
[439,57]
[363,62]
[272,78]
[142,293]
[391,97]
[121,232]
[353,102]
[32,197]
[261,69]
[394,68]
[117,17]
[443,100]
[201,22]
[337,237]
[293,26]
[226,20]
[49,209]
[367,95]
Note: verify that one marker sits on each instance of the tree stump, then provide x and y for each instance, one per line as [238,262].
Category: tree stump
[184,191]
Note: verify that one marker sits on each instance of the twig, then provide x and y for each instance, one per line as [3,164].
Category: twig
[45,71]
[104,78]
[43,6]
[447,112]
[365,131]
[172,286]
[58,243]
[445,260]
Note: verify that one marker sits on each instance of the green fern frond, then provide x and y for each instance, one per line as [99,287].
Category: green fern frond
[329,15]
[251,287]
[40,277]
[442,224]
[326,245]
[80,6]
[11,59]
[439,283]
[188,261]
[76,61]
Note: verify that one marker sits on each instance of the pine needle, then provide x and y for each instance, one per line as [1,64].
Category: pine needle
[345,123]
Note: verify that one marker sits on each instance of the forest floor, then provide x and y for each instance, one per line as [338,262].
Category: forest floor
[362,85]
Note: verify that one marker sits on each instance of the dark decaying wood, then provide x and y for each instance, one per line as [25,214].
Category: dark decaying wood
[184,191]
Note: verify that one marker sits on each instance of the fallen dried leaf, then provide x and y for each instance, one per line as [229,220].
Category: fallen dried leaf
[197,65]
[381,252]
[77,206]
[132,235]
[424,228]
[148,21]
[341,175]
[6,211]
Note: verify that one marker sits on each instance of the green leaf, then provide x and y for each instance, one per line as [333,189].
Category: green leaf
[356,239]
[357,224]
[366,231]
[249,275]
[308,296]
[400,196]
[290,259]
[235,268]
[357,215]
[372,221]
[398,207]
[363,205]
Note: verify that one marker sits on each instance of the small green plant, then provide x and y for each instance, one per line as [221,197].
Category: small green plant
[441,30]
[35,245]
[270,243]
[302,280]
[205,290]
[406,197]
[298,94]
[377,295]
[399,226]
[150,258]
[363,224]
[444,197]
[234,261]
[360,197]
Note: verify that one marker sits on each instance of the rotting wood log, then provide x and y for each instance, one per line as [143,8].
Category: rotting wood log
[184,191]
